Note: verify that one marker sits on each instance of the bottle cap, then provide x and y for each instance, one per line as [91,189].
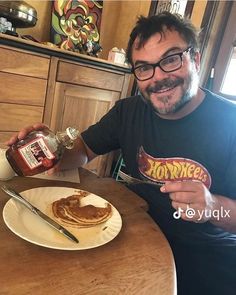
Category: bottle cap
[72,132]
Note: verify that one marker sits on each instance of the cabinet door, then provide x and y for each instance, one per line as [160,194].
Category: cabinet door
[83,106]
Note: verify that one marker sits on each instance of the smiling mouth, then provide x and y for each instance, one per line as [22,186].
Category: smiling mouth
[165,89]
[164,86]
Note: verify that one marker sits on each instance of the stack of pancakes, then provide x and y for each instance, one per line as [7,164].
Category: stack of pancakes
[69,211]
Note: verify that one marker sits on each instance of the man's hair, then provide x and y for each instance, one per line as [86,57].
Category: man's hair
[148,26]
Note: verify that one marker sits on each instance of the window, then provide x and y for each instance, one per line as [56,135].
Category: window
[229,85]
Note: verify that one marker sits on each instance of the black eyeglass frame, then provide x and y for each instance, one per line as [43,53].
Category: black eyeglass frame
[158,64]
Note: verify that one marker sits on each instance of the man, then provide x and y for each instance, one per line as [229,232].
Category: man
[184,136]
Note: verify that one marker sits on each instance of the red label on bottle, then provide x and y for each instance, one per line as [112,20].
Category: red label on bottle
[36,153]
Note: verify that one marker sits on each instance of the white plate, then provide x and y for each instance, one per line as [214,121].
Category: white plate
[30,227]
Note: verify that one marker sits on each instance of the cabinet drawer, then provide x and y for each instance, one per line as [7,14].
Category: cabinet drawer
[13,117]
[22,90]
[13,61]
[88,76]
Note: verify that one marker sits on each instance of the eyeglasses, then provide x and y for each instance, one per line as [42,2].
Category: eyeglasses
[168,64]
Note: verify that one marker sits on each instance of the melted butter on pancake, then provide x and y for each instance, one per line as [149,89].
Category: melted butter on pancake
[70,211]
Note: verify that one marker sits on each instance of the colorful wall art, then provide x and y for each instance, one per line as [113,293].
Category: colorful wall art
[76,24]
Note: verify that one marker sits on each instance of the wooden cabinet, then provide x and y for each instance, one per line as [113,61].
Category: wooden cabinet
[23,77]
[61,89]
[82,96]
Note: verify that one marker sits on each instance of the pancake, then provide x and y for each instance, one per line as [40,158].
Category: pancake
[70,211]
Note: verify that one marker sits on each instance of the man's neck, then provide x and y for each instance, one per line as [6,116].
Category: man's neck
[188,108]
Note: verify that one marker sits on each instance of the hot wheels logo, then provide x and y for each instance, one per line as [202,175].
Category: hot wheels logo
[172,169]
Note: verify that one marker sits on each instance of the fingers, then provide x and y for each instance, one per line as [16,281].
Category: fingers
[183,197]
[184,192]
[177,205]
[12,140]
[23,132]
[54,169]
[40,126]
[180,186]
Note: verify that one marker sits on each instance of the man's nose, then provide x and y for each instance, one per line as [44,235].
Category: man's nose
[159,74]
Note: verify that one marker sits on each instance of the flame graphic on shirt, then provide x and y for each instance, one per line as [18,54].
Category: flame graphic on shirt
[172,169]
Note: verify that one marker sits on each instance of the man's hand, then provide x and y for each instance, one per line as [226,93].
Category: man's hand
[23,132]
[74,158]
[55,169]
[192,199]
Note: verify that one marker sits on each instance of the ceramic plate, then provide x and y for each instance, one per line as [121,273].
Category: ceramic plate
[31,228]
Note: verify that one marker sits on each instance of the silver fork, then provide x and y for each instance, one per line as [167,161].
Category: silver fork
[132,180]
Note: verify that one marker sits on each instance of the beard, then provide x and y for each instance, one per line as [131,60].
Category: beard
[188,86]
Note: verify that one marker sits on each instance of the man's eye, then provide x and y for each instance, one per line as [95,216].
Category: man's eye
[144,68]
[170,60]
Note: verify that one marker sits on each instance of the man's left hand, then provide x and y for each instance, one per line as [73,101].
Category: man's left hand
[192,199]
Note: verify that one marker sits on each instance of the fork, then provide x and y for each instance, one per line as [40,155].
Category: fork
[132,180]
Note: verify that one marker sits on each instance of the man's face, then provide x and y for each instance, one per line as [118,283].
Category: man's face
[167,92]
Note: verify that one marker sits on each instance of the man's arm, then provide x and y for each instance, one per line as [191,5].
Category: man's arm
[74,158]
[80,155]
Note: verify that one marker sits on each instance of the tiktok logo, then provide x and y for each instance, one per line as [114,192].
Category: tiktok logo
[190,212]
[177,214]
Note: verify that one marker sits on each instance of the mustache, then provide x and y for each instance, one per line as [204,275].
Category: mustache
[165,83]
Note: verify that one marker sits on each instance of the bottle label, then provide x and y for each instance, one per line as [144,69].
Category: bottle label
[36,153]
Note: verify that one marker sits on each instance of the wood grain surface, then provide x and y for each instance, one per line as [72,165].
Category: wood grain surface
[138,261]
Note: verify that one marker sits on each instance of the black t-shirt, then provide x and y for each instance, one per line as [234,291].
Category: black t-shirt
[202,146]
[206,137]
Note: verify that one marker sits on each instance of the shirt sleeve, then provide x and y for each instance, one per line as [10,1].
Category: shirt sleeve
[103,136]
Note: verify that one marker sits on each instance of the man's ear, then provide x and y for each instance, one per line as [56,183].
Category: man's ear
[197,60]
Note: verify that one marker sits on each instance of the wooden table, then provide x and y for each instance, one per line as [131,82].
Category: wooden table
[138,261]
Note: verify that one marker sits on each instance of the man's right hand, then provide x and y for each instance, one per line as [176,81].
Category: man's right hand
[73,158]
[23,132]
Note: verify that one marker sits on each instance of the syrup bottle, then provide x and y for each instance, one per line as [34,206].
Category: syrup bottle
[40,150]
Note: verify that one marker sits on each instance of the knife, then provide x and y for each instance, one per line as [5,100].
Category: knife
[39,213]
